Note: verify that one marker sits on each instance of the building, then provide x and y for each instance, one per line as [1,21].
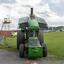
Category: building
[7,33]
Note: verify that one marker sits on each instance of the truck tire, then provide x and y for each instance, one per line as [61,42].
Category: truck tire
[21,51]
[20,38]
[44,50]
[41,37]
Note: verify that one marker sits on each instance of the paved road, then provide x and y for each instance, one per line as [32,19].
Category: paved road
[11,57]
[48,60]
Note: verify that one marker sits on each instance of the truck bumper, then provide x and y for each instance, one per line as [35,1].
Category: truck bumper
[35,52]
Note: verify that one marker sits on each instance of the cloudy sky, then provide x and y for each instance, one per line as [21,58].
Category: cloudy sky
[51,10]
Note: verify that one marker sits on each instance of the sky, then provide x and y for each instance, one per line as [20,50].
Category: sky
[51,10]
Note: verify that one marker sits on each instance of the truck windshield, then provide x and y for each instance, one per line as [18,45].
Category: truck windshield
[34,42]
[33,33]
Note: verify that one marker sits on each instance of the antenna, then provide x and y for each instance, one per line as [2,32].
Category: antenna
[31,14]
[31,11]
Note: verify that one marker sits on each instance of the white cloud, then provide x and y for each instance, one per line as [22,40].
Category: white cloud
[16,10]
[55,20]
[54,1]
[28,2]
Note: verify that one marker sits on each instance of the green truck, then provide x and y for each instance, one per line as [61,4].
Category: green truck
[30,41]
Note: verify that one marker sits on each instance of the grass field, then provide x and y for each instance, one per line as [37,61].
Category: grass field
[9,43]
[54,41]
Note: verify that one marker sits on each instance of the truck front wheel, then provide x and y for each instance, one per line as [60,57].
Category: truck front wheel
[21,51]
[44,50]
[20,38]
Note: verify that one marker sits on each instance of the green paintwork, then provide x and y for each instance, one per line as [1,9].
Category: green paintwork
[34,48]
[33,24]
[35,52]
[30,26]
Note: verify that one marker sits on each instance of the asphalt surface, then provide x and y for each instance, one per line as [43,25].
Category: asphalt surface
[11,57]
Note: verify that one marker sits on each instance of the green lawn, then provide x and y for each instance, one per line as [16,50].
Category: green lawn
[9,43]
[55,43]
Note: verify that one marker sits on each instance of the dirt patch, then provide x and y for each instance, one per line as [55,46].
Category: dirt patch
[50,59]
[11,57]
